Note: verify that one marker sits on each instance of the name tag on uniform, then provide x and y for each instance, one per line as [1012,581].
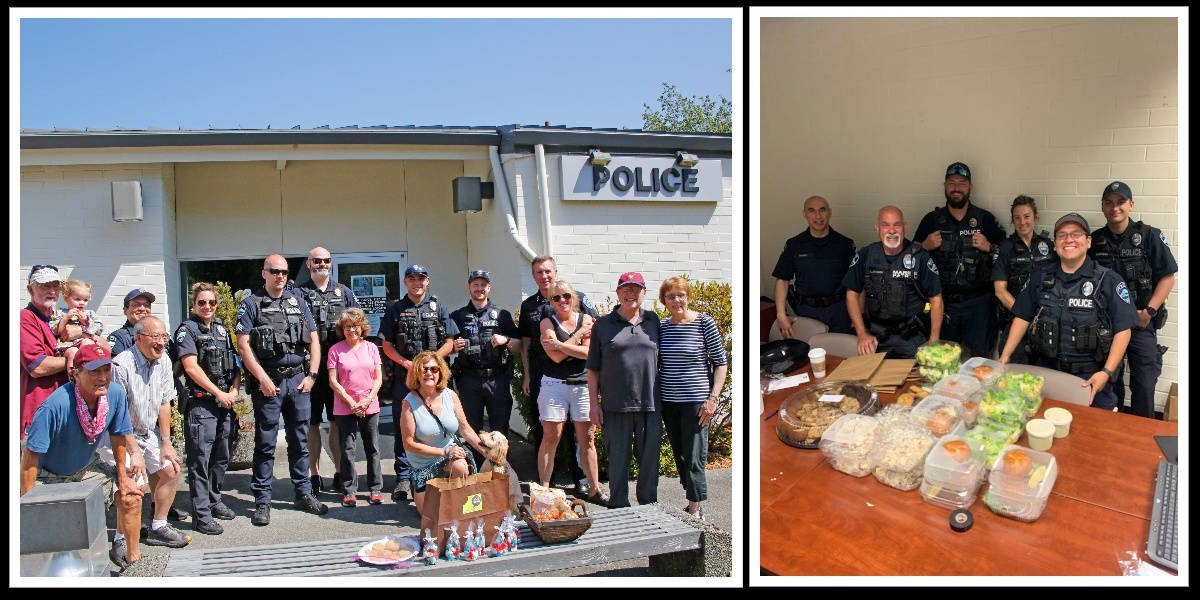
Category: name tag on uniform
[489,323]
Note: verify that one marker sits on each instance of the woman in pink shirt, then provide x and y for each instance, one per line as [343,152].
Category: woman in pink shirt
[355,374]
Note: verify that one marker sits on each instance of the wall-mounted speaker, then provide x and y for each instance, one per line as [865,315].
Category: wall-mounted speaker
[126,201]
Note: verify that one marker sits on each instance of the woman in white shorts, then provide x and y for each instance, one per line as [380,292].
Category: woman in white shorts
[566,335]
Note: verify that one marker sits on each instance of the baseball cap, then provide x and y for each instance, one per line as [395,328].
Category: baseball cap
[43,274]
[416,270]
[476,274]
[631,277]
[1117,187]
[1072,218]
[959,169]
[135,293]
[92,357]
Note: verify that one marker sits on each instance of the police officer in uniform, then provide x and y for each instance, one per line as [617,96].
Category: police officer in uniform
[817,259]
[487,337]
[277,339]
[1139,253]
[1078,313]
[1013,261]
[327,300]
[414,323]
[533,356]
[899,285]
[961,238]
[210,376]
[136,307]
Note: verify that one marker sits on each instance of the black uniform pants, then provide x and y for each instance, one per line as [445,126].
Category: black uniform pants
[1021,354]
[1145,366]
[321,395]
[399,391]
[640,431]
[293,405]
[568,434]
[493,394]
[209,433]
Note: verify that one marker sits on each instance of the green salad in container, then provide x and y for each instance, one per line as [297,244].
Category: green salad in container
[936,360]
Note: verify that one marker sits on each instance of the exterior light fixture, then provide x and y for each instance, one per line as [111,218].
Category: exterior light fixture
[686,160]
[598,158]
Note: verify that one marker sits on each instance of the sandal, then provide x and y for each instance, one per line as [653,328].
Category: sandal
[601,498]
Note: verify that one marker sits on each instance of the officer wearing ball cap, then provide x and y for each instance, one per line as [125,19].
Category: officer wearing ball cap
[1078,314]
[414,323]
[1139,253]
[485,344]
[814,262]
[961,238]
[137,306]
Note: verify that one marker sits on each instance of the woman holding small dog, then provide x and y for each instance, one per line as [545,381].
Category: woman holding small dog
[566,336]
[431,425]
[692,368]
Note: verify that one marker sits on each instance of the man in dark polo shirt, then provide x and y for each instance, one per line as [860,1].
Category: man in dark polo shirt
[622,367]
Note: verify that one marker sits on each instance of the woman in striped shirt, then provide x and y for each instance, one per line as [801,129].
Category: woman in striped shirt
[692,368]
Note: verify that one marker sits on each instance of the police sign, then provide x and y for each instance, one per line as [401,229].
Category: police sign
[640,178]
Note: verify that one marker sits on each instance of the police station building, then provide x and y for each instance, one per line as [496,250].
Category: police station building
[159,210]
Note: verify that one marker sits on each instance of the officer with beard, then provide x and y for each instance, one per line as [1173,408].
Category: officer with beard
[1140,255]
[327,300]
[961,238]
[899,285]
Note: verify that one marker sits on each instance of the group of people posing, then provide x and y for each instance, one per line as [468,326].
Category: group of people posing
[1077,301]
[96,407]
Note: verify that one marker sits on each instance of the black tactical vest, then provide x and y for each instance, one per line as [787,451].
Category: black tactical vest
[1022,261]
[962,267]
[893,299]
[418,329]
[478,331]
[1128,258]
[326,308]
[214,355]
[1071,324]
[279,328]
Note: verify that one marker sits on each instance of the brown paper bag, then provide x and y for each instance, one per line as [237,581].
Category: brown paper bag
[857,368]
[465,500]
[892,374]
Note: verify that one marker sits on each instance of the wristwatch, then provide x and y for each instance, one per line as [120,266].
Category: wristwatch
[1150,310]
[1109,372]
[312,374]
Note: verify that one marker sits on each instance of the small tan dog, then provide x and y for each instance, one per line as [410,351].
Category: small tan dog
[497,460]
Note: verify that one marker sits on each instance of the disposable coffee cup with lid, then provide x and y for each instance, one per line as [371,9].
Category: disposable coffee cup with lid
[1041,434]
[1061,419]
[816,359]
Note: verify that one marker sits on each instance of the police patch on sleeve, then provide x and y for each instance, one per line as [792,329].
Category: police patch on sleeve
[239,327]
[932,266]
[241,310]
[1123,292]
[588,303]
[181,336]
[855,260]
[1163,237]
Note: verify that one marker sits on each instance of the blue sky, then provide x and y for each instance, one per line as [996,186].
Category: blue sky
[226,73]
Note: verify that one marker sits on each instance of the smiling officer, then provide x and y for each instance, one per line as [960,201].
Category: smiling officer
[817,260]
[1013,261]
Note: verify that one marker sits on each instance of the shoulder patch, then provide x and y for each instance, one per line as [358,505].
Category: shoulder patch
[241,310]
[239,327]
[854,261]
[1163,237]
[932,266]
[182,335]
[1123,291]
[588,303]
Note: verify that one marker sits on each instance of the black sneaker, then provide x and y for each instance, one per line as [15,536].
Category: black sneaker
[400,494]
[337,484]
[316,483]
[167,536]
[220,511]
[209,527]
[175,515]
[117,554]
[262,515]
[310,503]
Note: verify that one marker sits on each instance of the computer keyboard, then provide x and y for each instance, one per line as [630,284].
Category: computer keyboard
[1163,545]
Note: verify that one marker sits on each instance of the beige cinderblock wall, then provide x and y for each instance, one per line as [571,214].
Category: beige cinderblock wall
[867,112]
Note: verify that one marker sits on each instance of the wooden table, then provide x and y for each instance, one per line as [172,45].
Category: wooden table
[818,521]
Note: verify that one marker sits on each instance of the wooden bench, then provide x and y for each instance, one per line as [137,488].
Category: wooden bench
[615,535]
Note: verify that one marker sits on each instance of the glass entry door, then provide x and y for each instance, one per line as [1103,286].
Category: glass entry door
[374,277]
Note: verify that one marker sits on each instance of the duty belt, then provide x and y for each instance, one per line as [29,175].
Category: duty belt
[482,373]
[960,297]
[1079,367]
[820,301]
[280,373]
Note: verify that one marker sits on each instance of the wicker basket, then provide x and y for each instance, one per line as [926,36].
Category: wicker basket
[553,532]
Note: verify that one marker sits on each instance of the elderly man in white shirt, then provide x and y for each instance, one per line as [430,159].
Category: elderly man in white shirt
[145,373]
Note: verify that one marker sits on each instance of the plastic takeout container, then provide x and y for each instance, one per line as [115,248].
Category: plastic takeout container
[899,454]
[1040,434]
[985,370]
[936,360]
[965,389]
[939,414]
[953,472]
[847,444]
[1004,405]
[1026,385]
[992,438]
[1060,418]
[1019,489]
[804,417]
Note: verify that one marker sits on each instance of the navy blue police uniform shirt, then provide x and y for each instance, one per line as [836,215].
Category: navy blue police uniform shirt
[986,224]
[121,339]
[185,342]
[248,313]
[930,284]
[507,327]
[1113,294]
[1162,262]
[387,324]
[1002,257]
[822,262]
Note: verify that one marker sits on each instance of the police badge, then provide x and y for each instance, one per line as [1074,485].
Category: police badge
[972,222]
[909,261]
[494,313]
[1043,248]
[1137,239]
[1087,288]
[337,291]
[433,306]
[292,301]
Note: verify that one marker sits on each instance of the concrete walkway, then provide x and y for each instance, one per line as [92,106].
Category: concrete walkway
[289,525]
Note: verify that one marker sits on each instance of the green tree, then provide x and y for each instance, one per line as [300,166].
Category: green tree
[676,112]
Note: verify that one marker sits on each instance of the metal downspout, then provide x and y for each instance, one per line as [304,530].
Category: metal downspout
[543,182]
[506,202]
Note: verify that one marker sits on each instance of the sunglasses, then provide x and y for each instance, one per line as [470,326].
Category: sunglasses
[36,267]
[958,171]
[431,369]
[206,303]
[321,261]
[277,271]
[560,297]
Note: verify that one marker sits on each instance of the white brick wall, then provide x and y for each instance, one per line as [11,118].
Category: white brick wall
[867,112]
[66,220]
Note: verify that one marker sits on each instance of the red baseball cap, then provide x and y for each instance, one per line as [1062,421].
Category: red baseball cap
[92,357]
[631,277]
